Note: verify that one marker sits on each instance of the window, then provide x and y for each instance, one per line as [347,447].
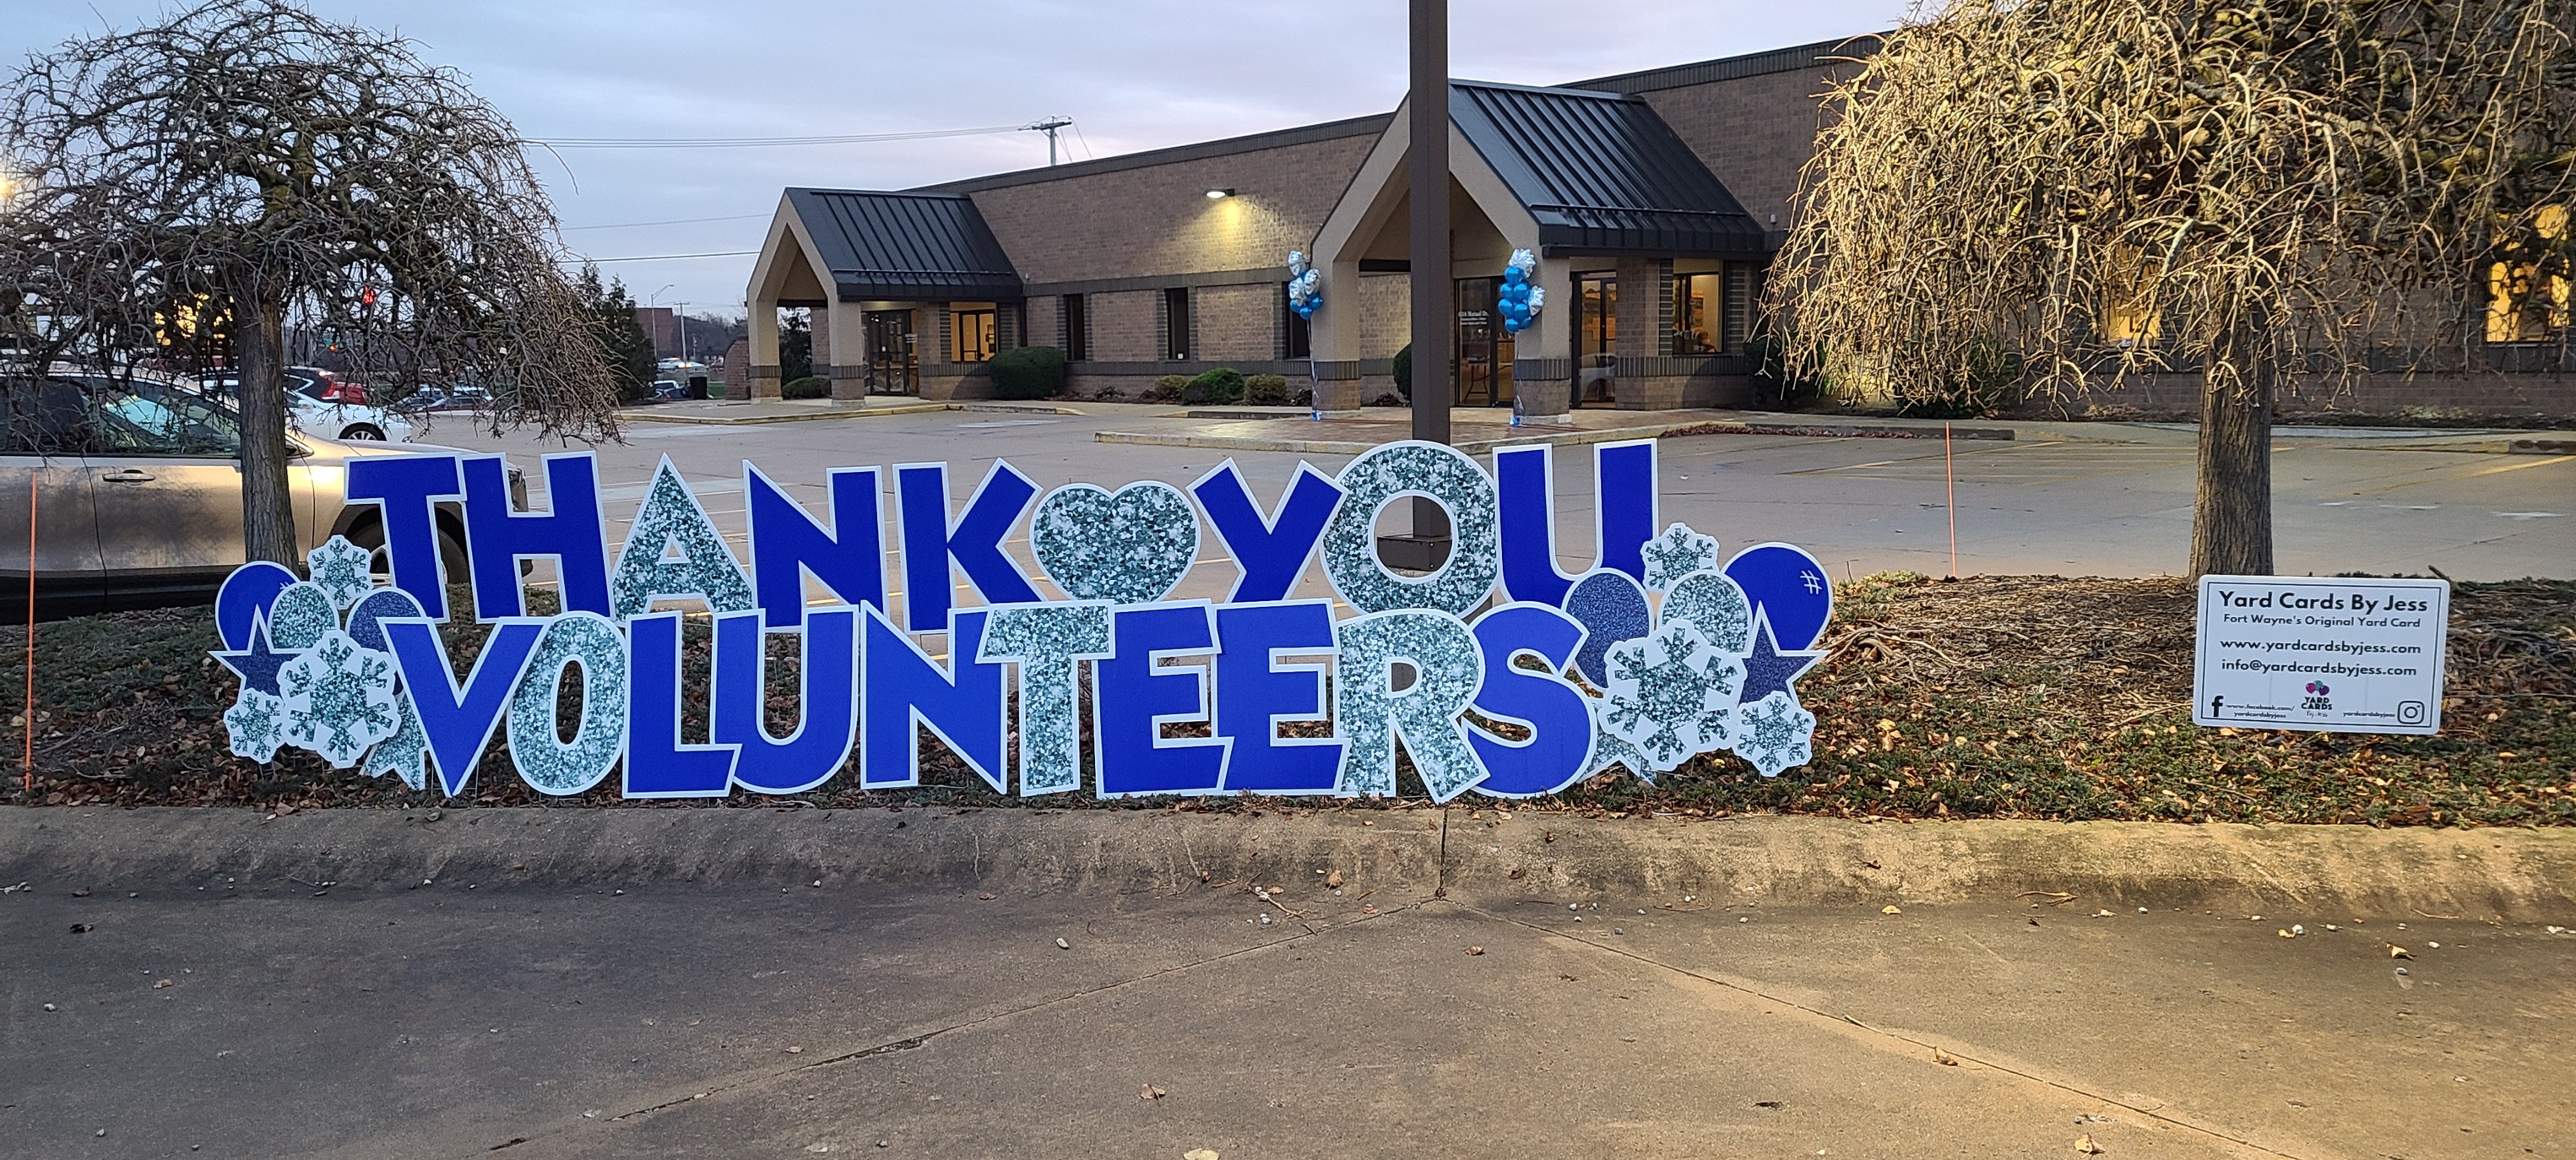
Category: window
[1698,313]
[2523,303]
[970,332]
[1596,328]
[1077,328]
[150,419]
[1296,333]
[1176,323]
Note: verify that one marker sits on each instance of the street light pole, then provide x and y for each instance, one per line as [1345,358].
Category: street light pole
[1434,315]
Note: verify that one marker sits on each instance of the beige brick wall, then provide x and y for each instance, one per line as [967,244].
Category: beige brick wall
[1158,220]
[1753,132]
[1237,323]
[1123,326]
[1386,314]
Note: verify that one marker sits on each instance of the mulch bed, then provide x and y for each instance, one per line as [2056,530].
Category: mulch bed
[2012,697]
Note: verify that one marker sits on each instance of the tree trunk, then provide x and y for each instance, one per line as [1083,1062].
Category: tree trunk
[268,500]
[2231,518]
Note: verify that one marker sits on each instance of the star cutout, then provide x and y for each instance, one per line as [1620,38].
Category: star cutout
[258,665]
[1768,668]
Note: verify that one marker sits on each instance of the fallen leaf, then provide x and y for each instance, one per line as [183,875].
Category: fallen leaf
[2397,952]
[2085,1144]
[1199,1154]
[1150,1092]
[1889,910]
[987,896]
[1943,1058]
[795,1051]
[1518,871]
[1475,950]
[1333,881]
[160,983]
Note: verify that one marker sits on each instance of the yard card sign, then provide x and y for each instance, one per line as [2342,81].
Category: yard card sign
[2329,655]
[1499,673]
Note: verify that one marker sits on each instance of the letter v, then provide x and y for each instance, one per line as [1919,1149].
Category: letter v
[459,722]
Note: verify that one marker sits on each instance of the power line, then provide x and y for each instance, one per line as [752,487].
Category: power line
[756,142]
[658,257]
[740,217]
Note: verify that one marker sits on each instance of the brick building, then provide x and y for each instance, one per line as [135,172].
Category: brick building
[1654,200]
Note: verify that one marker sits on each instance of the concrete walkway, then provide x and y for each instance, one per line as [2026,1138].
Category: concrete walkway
[1113,984]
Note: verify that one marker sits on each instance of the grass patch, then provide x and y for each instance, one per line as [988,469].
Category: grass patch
[2026,697]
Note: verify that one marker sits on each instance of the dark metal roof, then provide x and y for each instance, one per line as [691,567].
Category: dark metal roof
[918,246]
[1821,54]
[1602,173]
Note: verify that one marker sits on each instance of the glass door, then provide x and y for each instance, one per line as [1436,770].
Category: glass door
[894,365]
[1596,338]
[1484,347]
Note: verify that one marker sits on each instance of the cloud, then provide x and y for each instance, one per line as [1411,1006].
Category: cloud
[1134,74]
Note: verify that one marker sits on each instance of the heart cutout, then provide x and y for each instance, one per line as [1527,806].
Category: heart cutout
[1131,546]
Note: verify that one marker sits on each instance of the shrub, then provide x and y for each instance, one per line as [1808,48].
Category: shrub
[1404,371]
[1222,385]
[1266,390]
[1982,381]
[809,387]
[1168,388]
[1028,372]
[1774,384]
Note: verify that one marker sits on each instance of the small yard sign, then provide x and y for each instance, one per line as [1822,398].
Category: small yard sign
[2331,655]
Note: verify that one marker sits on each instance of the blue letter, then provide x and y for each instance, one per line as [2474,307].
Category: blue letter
[846,551]
[658,764]
[974,541]
[1557,714]
[496,536]
[460,721]
[406,489]
[825,723]
[1272,551]
[1623,511]
[1624,504]
[962,704]
[1255,693]
[1133,696]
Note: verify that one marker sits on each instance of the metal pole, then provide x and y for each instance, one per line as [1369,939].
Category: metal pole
[1434,314]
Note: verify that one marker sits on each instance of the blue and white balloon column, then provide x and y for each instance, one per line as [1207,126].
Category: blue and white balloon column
[1519,301]
[1305,285]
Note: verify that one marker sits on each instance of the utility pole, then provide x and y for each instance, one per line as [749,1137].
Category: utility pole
[1049,126]
[1434,313]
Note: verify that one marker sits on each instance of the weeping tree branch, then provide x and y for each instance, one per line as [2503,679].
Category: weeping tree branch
[248,167]
[2264,191]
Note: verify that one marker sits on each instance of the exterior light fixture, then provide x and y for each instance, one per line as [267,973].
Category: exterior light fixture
[1219,194]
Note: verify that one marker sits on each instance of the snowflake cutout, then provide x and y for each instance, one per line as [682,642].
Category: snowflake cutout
[1672,695]
[1774,733]
[1678,553]
[1609,749]
[342,569]
[257,723]
[339,699]
[406,753]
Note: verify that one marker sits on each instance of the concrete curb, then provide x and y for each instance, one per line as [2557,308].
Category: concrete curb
[1524,436]
[2331,872]
[861,412]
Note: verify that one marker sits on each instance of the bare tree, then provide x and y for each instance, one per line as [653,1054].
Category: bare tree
[249,164]
[2273,193]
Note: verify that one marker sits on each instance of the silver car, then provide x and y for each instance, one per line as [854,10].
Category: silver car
[136,491]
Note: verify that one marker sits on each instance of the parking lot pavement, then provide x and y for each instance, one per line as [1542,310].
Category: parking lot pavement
[2114,503]
[277,1017]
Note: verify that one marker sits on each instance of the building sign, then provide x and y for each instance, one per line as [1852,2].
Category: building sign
[1499,673]
[2333,655]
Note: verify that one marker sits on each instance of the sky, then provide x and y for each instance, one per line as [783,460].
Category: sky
[1133,75]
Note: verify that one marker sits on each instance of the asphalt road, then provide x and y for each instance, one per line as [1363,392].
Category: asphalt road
[227,1017]
[2114,502]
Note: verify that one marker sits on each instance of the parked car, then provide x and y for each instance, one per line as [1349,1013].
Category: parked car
[324,385]
[459,397]
[138,493]
[307,411]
